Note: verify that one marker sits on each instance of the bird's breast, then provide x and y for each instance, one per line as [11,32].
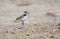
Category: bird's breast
[24,18]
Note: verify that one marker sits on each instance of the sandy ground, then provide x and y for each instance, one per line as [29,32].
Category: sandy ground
[37,26]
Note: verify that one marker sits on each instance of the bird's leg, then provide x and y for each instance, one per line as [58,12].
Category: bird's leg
[22,23]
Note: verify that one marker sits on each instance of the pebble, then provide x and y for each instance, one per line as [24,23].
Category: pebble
[51,36]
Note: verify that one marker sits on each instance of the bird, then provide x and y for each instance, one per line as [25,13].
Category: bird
[23,17]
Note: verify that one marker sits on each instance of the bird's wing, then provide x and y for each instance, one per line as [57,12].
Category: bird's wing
[19,17]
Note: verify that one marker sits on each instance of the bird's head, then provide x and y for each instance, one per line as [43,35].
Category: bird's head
[26,12]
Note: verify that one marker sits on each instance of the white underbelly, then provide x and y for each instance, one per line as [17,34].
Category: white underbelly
[24,18]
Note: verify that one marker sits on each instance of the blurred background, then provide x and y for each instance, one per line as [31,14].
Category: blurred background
[43,21]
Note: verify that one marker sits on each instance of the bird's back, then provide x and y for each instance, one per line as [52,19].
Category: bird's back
[21,17]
